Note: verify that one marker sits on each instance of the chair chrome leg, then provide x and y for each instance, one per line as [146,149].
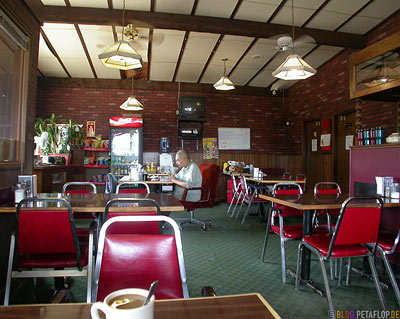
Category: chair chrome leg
[340,272]
[348,271]
[283,261]
[9,270]
[376,280]
[327,289]
[266,236]
[391,275]
[240,209]
[298,268]
[331,269]
[246,212]
[230,205]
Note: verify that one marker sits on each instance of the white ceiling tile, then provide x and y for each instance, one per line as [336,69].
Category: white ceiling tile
[344,6]
[242,75]
[51,68]
[142,5]
[168,45]
[259,54]
[65,40]
[89,4]
[212,8]
[60,3]
[381,9]
[322,54]
[263,79]
[305,4]
[327,20]
[162,71]
[78,68]
[198,47]
[360,25]
[174,6]
[189,72]
[44,51]
[104,72]
[255,11]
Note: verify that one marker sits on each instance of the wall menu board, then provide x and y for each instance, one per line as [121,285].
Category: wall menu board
[231,138]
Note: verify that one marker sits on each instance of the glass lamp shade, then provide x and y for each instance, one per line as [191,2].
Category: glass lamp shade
[131,104]
[224,84]
[121,55]
[294,68]
[380,75]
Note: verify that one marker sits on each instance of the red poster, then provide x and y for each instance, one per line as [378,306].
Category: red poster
[326,135]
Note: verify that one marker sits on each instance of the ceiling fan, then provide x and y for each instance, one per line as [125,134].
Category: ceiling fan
[140,35]
[285,42]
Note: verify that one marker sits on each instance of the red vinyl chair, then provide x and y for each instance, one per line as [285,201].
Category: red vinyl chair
[46,239]
[327,188]
[358,225]
[302,178]
[132,207]
[210,174]
[82,188]
[389,245]
[136,260]
[286,232]
[133,188]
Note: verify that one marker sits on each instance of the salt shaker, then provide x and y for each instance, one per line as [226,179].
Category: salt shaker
[20,193]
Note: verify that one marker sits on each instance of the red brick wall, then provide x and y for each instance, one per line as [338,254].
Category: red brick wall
[264,116]
[327,93]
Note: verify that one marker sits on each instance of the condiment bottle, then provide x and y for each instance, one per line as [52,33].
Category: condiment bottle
[20,193]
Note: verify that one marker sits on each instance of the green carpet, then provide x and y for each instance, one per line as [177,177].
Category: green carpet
[228,257]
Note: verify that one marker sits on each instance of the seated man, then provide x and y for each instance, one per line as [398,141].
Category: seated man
[188,177]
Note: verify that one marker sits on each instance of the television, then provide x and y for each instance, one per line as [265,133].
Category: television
[191,108]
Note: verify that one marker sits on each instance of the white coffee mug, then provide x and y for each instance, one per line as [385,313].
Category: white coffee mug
[141,312]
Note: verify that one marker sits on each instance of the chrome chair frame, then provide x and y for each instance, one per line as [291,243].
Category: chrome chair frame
[66,185]
[133,183]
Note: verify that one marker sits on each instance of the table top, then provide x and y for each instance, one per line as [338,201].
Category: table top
[272,180]
[252,306]
[95,203]
[309,201]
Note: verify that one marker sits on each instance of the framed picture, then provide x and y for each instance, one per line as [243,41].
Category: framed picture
[90,128]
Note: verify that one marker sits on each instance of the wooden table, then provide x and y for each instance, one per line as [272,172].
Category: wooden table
[126,179]
[272,180]
[95,203]
[308,203]
[250,306]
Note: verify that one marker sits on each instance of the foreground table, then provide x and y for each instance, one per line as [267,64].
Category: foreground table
[95,203]
[250,306]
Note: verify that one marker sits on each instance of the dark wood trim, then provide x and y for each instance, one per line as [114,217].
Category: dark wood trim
[178,63]
[195,3]
[149,53]
[149,85]
[243,55]
[37,8]
[53,51]
[57,14]
[152,5]
[238,4]
[86,50]
[354,14]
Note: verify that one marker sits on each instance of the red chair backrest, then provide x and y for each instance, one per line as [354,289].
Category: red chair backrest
[327,188]
[210,175]
[133,227]
[79,191]
[44,232]
[286,210]
[357,225]
[138,260]
[133,191]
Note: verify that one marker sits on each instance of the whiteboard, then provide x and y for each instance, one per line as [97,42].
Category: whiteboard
[231,138]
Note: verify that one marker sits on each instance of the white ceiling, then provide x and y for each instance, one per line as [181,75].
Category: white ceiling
[199,64]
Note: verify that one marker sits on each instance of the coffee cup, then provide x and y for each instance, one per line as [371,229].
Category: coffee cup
[124,304]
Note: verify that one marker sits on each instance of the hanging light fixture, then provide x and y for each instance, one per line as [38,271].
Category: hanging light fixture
[121,55]
[224,83]
[381,74]
[294,67]
[132,103]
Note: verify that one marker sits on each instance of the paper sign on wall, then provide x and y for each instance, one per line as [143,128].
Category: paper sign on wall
[326,140]
[314,145]
[349,142]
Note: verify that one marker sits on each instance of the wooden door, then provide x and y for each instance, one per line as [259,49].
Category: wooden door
[344,126]
[312,154]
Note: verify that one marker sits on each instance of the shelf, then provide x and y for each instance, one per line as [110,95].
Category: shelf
[96,166]
[386,145]
[96,149]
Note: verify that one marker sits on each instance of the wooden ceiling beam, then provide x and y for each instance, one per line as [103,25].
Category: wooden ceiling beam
[96,16]
[149,85]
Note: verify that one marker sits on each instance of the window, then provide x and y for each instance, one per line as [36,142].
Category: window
[13,92]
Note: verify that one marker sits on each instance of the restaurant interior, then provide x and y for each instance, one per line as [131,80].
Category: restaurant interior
[209,77]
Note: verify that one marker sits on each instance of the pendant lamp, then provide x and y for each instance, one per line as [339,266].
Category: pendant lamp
[121,55]
[380,75]
[294,67]
[224,83]
[132,103]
